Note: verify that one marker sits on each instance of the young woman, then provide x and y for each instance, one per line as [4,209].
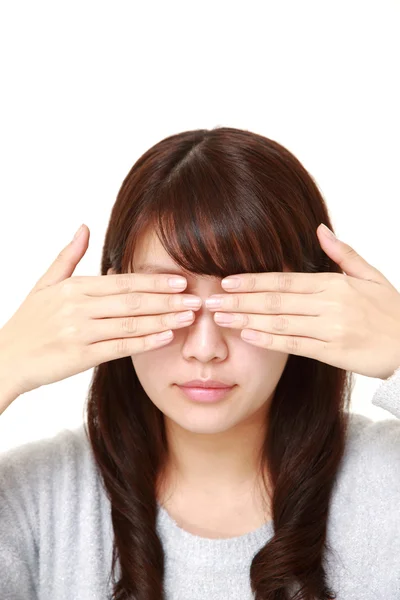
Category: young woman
[210,465]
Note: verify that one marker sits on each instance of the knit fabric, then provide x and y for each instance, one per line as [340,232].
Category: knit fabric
[56,533]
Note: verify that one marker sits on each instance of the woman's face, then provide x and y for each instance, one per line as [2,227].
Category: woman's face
[205,350]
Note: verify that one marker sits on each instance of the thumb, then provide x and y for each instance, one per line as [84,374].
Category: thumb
[347,258]
[65,263]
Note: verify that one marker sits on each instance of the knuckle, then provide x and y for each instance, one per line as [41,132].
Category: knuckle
[245,320]
[134,300]
[338,329]
[121,346]
[273,301]
[235,302]
[125,282]
[280,323]
[129,325]
[166,321]
[146,343]
[68,288]
[71,331]
[349,252]
[283,282]
[69,310]
[61,256]
[251,284]
[293,344]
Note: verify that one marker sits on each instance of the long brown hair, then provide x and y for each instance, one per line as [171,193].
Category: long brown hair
[223,201]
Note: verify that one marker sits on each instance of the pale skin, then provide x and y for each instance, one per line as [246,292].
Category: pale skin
[211,488]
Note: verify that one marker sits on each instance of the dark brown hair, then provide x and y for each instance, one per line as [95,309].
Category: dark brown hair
[223,201]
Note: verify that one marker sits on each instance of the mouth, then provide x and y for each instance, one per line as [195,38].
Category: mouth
[208,383]
[206,394]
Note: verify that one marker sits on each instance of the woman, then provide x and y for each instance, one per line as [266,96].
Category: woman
[244,492]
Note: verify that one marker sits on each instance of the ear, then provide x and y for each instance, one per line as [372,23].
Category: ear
[111,271]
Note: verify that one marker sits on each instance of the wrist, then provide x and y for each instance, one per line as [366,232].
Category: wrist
[9,389]
[8,392]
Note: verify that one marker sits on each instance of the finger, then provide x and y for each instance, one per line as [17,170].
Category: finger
[66,262]
[352,263]
[110,329]
[300,346]
[270,303]
[301,283]
[101,352]
[314,327]
[123,283]
[137,303]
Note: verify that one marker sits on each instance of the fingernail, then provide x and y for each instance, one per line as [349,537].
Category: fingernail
[192,302]
[177,282]
[78,233]
[213,302]
[232,282]
[328,232]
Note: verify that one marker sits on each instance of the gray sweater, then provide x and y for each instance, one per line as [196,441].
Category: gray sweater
[56,534]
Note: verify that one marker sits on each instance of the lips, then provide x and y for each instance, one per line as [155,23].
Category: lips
[209,383]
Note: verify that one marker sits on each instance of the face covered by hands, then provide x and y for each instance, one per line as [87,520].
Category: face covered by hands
[350,321]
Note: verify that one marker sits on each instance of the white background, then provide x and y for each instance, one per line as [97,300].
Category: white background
[87,87]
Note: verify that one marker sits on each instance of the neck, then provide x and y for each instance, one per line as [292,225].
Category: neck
[214,465]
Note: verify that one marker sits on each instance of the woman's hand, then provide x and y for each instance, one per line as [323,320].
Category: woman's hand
[67,325]
[349,321]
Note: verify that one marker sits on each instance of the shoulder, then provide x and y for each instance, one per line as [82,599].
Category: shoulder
[371,461]
[38,463]
[366,493]
[366,499]
[51,504]
[40,479]
[374,444]
[36,481]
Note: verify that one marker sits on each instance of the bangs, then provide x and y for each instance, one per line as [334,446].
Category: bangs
[209,226]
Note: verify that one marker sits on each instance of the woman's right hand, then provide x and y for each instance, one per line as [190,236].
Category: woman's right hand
[67,325]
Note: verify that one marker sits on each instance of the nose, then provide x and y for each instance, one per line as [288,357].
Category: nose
[204,340]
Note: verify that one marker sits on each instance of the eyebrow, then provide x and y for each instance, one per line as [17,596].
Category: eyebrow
[151,268]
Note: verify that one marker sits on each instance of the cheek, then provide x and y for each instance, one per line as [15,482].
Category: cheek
[258,361]
[249,354]
[159,362]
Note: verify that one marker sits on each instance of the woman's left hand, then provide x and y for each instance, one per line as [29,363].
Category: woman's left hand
[350,321]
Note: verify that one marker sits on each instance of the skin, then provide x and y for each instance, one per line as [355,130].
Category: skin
[213,447]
